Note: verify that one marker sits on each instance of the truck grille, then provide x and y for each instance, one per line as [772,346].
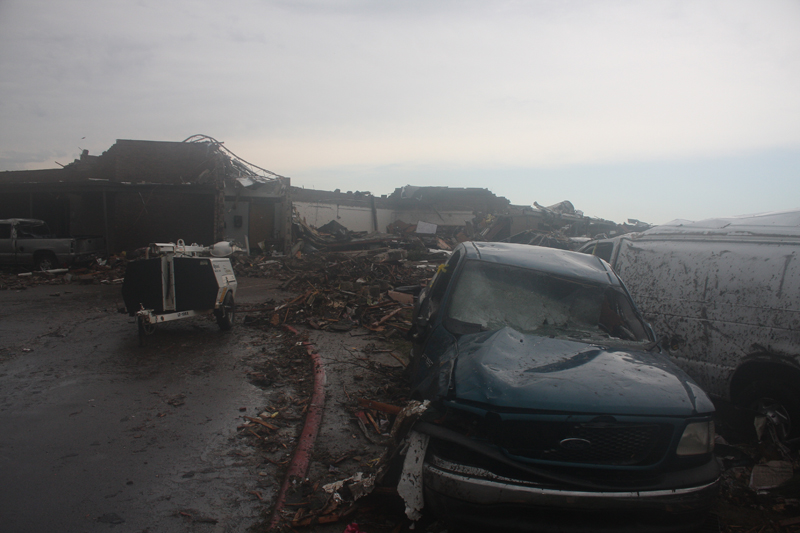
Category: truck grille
[589,443]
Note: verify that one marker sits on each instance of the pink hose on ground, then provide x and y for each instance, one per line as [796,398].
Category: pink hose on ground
[302,454]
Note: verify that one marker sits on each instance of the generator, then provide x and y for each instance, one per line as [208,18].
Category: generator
[176,281]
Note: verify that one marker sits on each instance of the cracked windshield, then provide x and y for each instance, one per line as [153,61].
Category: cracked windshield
[490,296]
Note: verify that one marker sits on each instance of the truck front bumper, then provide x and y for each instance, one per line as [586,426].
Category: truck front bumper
[467,496]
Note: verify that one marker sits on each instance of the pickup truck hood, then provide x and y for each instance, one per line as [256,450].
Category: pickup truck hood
[509,369]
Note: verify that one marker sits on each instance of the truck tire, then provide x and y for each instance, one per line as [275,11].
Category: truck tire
[45,261]
[776,397]
[226,313]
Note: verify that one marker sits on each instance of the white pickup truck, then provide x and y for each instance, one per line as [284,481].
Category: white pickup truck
[29,242]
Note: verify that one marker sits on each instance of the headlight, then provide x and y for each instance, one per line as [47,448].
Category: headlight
[697,439]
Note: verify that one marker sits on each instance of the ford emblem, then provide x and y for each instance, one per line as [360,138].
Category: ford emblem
[575,445]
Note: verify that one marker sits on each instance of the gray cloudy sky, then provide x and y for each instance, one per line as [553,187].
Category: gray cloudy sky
[652,109]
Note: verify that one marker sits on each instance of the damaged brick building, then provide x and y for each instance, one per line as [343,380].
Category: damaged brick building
[138,192]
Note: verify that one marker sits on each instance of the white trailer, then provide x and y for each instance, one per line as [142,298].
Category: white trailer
[176,281]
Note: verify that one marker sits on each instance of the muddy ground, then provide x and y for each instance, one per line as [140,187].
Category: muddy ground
[98,433]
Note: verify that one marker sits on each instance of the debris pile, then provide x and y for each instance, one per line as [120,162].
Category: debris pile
[758,490]
[282,374]
[557,226]
[335,489]
[371,494]
[373,289]
[333,237]
[111,271]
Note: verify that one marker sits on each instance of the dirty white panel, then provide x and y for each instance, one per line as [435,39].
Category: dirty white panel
[773,223]
[358,218]
[717,300]
[354,218]
[410,485]
[426,228]
[434,216]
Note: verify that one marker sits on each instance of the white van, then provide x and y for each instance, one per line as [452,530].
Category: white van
[724,297]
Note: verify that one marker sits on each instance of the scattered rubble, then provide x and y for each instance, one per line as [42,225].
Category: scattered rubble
[110,271]
[757,493]
[339,291]
[370,293]
[364,284]
[558,226]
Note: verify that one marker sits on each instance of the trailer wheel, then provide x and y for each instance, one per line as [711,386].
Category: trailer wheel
[45,261]
[226,313]
[144,329]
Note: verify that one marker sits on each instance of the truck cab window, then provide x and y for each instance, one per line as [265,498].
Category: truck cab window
[603,251]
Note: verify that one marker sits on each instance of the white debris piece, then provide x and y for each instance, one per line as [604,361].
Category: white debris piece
[410,485]
[358,484]
[426,228]
[770,475]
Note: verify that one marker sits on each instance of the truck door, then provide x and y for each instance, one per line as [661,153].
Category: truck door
[22,237]
[7,244]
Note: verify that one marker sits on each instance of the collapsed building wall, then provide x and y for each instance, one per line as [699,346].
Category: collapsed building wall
[258,215]
[356,211]
[361,211]
[440,217]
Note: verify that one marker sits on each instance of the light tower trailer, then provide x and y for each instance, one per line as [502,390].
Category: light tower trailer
[177,281]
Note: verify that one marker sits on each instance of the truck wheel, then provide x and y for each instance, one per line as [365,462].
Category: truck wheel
[226,313]
[778,401]
[45,261]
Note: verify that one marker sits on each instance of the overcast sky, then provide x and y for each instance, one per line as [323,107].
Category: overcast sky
[651,110]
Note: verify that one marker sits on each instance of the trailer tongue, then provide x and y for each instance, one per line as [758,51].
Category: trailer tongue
[177,281]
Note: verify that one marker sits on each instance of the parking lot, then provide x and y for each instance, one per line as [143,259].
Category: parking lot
[97,431]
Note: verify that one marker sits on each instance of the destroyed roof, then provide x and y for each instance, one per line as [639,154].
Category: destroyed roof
[410,197]
[129,161]
[470,198]
[50,175]
[313,195]
[199,160]
[176,163]
[785,223]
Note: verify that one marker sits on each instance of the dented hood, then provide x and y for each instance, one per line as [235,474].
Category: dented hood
[509,369]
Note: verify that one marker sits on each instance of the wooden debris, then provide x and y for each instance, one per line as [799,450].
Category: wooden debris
[401,297]
[379,406]
[255,434]
[259,421]
[374,424]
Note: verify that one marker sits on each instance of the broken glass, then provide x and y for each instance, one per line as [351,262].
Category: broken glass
[490,296]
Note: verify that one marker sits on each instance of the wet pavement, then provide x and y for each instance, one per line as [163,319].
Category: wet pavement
[100,434]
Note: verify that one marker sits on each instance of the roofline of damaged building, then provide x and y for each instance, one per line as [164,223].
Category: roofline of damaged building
[410,197]
[199,160]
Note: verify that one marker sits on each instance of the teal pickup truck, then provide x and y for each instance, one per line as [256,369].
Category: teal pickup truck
[29,242]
